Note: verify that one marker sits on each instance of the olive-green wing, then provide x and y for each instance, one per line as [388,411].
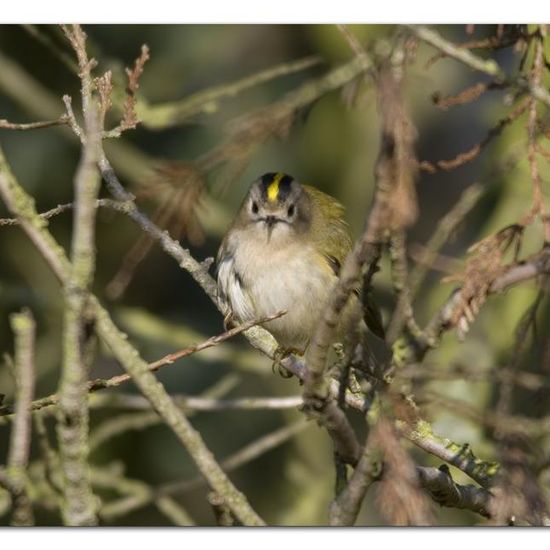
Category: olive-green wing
[332,239]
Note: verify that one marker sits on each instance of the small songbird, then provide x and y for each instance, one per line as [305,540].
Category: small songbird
[284,251]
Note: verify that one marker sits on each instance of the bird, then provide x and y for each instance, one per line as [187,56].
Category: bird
[284,252]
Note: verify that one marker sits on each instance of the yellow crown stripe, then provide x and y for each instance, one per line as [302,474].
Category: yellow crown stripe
[273,188]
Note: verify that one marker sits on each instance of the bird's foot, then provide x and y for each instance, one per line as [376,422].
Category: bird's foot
[229,321]
[278,357]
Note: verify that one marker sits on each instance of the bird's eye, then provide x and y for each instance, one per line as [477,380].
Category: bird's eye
[290,211]
[254,207]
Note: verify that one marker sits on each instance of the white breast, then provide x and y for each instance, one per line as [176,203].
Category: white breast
[262,280]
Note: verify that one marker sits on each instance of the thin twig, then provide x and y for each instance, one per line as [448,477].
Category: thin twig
[477,149]
[130,118]
[59,209]
[174,511]
[5,125]
[200,404]
[166,115]
[23,326]
[487,66]
[403,314]
[352,40]
[36,32]
[243,456]
[471,93]
[446,226]
[114,426]
[117,380]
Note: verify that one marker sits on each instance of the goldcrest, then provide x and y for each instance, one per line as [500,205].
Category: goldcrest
[284,251]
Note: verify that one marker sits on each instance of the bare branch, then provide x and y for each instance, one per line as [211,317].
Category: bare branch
[79,506]
[166,115]
[446,492]
[345,507]
[23,326]
[243,456]
[62,120]
[59,209]
[121,423]
[460,456]
[478,148]
[117,380]
[487,66]
[202,404]
[442,233]
[22,206]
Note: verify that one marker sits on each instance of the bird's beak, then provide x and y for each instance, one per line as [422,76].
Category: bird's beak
[270,223]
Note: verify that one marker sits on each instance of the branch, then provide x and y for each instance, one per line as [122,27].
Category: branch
[116,425]
[117,380]
[403,314]
[243,456]
[460,456]
[487,66]
[23,326]
[476,150]
[536,265]
[345,507]
[79,506]
[129,116]
[167,115]
[5,125]
[60,208]
[21,205]
[538,207]
[445,228]
[201,404]
[446,492]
